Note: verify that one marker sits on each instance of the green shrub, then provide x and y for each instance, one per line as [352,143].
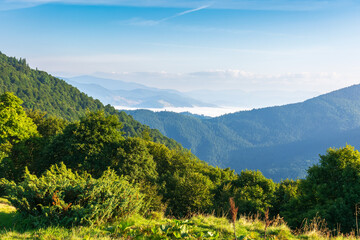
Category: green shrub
[188,193]
[252,192]
[61,197]
[331,191]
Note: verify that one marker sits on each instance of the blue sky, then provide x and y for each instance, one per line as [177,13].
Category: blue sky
[229,44]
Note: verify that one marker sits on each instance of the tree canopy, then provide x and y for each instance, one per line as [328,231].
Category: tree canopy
[15,125]
[331,190]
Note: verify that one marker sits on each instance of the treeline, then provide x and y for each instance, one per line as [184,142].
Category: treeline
[88,172]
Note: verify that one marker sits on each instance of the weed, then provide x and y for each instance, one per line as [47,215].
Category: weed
[233,212]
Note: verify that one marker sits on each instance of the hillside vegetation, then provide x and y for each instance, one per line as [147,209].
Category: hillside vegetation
[41,91]
[87,179]
[86,173]
[157,227]
[281,141]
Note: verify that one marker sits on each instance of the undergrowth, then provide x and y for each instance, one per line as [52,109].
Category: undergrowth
[157,227]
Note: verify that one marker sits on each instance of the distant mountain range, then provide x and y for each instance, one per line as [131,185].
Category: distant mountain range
[134,95]
[281,141]
[126,94]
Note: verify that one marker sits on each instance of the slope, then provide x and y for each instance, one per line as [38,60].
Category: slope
[41,91]
[280,141]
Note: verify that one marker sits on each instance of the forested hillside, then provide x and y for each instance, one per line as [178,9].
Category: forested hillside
[280,141]
[88,173]
[41,91]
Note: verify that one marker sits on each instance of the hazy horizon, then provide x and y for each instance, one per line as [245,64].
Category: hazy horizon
[270,46]
[222,101]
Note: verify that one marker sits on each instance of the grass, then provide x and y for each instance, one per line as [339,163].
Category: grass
[7,214]
[156,227]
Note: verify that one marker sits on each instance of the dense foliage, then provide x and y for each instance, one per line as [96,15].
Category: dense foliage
[251,191]
[331,191]
[42,91]
[15,125]
[173,179]
[62,197]
[91,171]
[15,128]
[96,150]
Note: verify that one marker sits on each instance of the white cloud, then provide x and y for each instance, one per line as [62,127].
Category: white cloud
[145,22]
[240,74]
[125,67]
[230,73]
[238,79]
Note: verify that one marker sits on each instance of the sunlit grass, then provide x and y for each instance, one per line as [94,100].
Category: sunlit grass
[155,226]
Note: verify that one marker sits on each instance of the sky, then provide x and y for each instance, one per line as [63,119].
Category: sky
[250,45]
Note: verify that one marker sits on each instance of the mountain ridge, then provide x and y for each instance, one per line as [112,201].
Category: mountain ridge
[238,139]
[41,91]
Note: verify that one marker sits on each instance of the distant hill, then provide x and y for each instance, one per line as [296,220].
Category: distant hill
[195,115]
[41,91]
[280,141]
[126,94]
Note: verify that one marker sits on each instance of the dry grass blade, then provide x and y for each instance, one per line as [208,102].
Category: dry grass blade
[233,212]
[267,221]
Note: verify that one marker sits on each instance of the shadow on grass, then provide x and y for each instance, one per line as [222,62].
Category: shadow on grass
[10,220]
[7,220]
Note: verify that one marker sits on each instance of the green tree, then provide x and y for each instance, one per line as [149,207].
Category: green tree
[188,192]
[185,182]
[88,145]
[331,190]
[27,153]
[286,191]
[252,193]
[15,125]
[134,160]
[47,126]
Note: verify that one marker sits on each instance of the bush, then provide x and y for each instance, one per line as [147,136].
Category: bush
[61,197]
[252,192]
[188,193]
[331,191]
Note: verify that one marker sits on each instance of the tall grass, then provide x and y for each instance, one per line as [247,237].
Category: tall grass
[155,226]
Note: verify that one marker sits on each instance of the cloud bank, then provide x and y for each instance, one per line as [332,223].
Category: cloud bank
[237,79]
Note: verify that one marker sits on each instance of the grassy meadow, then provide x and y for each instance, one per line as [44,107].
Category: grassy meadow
[156,226]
